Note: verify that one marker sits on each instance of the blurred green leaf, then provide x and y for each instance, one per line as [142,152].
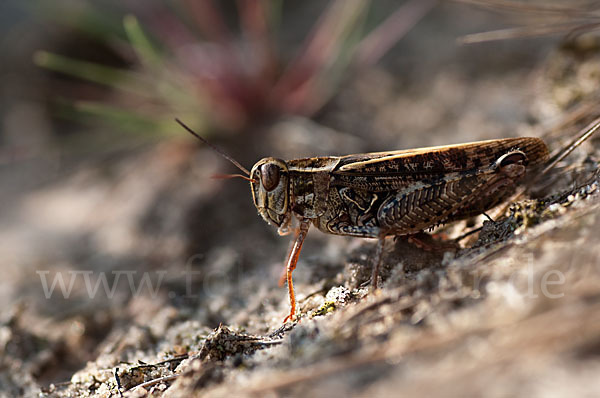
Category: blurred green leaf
[141,44]
[119,79]
[83,111]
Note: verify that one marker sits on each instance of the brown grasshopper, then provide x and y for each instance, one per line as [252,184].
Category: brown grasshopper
[375,195]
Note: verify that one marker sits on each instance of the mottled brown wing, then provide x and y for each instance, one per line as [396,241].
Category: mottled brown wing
[387,171]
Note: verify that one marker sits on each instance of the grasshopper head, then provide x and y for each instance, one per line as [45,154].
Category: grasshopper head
[270,191]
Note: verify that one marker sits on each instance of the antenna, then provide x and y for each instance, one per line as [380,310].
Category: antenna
[228,176]
[232,160]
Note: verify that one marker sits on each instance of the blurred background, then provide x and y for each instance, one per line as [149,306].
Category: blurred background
[97,179]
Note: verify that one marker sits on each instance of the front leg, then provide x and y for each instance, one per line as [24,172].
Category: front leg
[291,262]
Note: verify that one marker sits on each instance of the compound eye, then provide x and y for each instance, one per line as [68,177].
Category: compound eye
[512,158]
[269,176]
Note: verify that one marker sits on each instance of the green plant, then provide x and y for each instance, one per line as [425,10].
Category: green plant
[186,62]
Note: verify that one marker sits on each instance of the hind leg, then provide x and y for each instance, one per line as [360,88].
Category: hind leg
[377,262]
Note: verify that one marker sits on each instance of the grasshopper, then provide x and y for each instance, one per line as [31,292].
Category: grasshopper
[381,194]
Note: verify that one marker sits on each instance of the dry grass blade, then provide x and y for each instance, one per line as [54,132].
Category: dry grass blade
[540,19]
[582,111]
[569,29]
[542,8]
[378,42]
[587,133]
[210,21]
[299,85]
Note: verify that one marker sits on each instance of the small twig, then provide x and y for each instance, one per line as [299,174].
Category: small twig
[52,387]
[152,382]
[118,382]
[471,232]
[368,307]
[286,327]
[174,359]
[166,361]
[314,293]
